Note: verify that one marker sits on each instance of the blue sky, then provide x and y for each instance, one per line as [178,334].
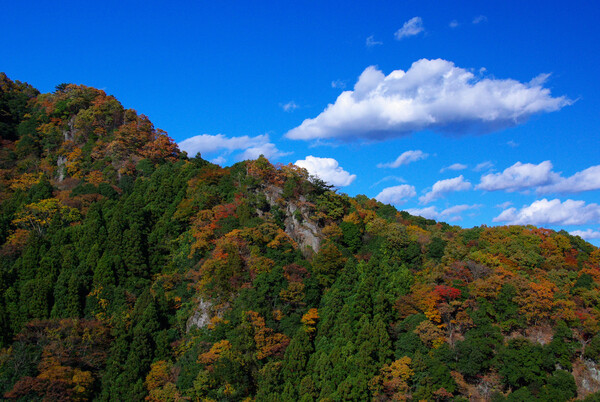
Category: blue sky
[468,112]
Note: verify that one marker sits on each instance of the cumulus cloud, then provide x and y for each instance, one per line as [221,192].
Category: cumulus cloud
[412,27]
[432,95]
[552,212]
[404,159]
[525,176]
[520,176]
[327,169]
[396,194]
[588,234]
[451,213]
[504,205]
[252,146]
[372,42]
[586,180]
[454,166]
[443,187]
[290,106]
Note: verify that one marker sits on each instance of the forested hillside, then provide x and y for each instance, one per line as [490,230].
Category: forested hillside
[130,271]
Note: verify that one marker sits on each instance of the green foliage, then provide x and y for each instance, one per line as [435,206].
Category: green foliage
[129,271]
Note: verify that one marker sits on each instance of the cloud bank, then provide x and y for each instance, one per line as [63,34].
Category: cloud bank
[432,95]
[404,159]
[327,169]
[552,212]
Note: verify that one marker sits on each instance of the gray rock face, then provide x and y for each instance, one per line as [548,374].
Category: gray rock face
[592,381]
[303,231]
[201,316]
[62,169]
[70,133]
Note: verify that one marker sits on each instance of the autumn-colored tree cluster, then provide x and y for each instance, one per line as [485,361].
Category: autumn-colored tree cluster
[131,271]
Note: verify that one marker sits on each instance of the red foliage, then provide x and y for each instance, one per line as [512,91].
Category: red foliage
[447,292]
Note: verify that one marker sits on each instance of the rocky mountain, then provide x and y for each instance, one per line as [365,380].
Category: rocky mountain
[130,271]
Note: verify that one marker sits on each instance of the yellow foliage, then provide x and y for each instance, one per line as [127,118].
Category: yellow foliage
[353,218]
[25,181]
[159,375]
[392,380]
[310,320]
[38,215]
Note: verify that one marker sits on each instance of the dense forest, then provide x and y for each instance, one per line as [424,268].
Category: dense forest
[132,271]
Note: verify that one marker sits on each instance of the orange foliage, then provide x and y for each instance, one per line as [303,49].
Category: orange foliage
[392,381]
[268,342]
[216,351]
[310,320]
[537,300]
[95,177]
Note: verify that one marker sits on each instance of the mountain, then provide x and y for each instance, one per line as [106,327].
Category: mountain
[130,271]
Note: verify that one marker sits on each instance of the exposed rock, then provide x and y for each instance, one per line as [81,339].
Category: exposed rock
[62,169]
[298,223]
[587,377]
[69,134]
[201,316]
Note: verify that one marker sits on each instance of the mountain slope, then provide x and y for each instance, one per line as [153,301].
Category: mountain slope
[130,270]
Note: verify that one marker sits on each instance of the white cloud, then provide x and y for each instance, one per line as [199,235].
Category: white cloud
[443,187]
[427,213]
[553,212]
[396,194]
[404,159]
[206,143]
[451,213]
[327,169]
[372,42]
[479,19]
[512,144]
[483,166]
[268,150]
[588,234]
[520,176]
[289,107]
[338,84]
[453,24]
[586,180]
[412,27]
[432,95]
[454,166]
[219,160]
[252,146]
